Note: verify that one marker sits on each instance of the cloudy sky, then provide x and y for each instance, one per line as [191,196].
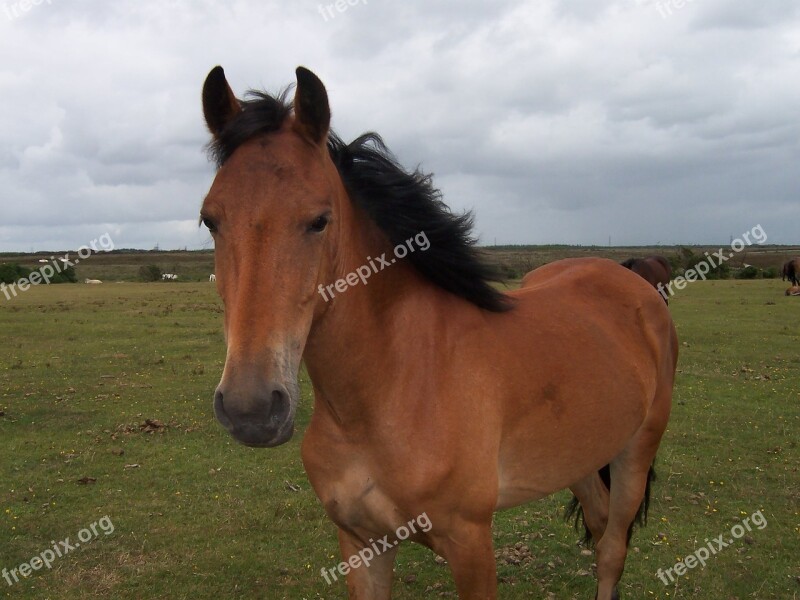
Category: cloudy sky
[556,121]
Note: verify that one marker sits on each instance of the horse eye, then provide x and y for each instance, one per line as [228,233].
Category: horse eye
[320,223]
[210,224]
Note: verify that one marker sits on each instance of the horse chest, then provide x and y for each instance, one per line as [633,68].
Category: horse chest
[351,491]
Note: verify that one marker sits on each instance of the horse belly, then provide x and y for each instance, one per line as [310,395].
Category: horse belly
[585,385]
[552,447]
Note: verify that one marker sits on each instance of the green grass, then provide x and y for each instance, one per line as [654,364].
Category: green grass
[83,367]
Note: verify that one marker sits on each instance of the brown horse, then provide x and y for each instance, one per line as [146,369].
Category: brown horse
[793,291]
[655,269]
[791,271]
[434,393]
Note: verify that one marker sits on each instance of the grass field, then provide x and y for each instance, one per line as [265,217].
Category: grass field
[106,411]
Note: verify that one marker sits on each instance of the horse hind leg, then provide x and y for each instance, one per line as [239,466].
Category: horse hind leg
[631,476]
[589,507]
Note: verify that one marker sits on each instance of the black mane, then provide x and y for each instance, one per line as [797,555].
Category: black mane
[260,114]
[401,203]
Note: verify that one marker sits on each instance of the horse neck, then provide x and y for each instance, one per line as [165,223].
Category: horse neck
[354,348]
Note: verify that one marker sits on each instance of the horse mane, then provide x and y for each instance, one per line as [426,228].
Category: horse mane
[401,203]
[628,264]
[260,114]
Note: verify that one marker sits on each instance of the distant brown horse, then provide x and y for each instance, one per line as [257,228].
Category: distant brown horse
[435,394]
[654,269]
[791,271]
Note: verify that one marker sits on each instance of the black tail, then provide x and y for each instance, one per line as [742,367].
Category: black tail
[574,510]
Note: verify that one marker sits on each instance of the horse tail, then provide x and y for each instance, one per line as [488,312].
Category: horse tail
[574,510]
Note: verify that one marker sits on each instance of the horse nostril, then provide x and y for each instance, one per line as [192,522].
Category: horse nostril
[219,410]
[280,406]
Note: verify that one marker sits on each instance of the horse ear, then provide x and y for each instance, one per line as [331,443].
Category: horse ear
[311,110]
[220,105]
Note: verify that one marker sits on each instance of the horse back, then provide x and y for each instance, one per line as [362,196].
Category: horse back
[602,295]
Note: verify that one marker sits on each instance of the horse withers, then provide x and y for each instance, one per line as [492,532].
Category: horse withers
[655,269]
[434,393]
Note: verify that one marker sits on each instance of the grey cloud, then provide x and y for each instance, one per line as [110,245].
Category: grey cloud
[556,120]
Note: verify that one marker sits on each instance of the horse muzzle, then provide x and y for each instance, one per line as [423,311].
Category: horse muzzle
[259,416]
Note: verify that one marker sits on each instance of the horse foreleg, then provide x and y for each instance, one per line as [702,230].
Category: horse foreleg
[469,551]
[370,572]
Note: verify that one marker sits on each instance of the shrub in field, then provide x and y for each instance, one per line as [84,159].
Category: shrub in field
[10,273]
[749,272]
[150,273]
[676,261]
[770,273]
[66,276]
[722,271]
[687,259]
